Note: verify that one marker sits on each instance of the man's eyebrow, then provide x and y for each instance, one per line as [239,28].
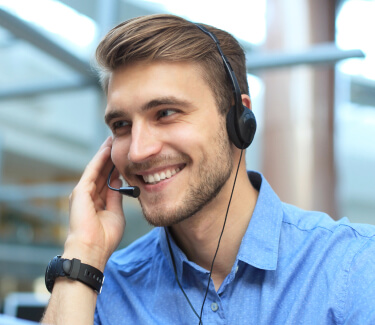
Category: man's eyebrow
[114,114]
[170,100]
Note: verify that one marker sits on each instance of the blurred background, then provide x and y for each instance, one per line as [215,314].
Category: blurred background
[311,68]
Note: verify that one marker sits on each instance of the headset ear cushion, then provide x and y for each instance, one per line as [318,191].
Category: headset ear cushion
[246,127]
[231,129]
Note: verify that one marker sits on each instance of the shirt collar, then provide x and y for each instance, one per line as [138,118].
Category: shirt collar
[260,244]
[172,251]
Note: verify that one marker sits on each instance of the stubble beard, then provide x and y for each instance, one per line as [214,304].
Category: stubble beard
[212,176]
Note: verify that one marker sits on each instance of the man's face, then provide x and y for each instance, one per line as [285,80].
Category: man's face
[168,138]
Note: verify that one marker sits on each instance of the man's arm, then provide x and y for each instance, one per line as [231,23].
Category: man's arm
[357,299]
[96,225]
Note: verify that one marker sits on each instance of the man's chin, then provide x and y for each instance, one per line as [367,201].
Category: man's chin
[159,221]
[162,216]
[155,215]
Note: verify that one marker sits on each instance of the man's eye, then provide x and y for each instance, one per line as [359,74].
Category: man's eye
[166,112]
[119,124]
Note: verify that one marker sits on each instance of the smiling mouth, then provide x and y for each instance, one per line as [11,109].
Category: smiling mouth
[156,178]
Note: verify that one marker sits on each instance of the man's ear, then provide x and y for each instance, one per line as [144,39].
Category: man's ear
[246,101]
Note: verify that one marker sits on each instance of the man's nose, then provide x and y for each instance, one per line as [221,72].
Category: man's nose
[145,142]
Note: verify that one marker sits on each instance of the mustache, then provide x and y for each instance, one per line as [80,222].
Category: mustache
[155,162]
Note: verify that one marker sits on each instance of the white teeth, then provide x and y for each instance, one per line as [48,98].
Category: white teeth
[155,178]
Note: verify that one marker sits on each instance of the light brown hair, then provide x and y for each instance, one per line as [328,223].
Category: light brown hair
[166,37]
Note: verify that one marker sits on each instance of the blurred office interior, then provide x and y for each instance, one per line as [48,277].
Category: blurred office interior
[311,67]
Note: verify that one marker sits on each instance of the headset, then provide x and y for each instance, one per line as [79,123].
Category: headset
[241,126]
[241,123]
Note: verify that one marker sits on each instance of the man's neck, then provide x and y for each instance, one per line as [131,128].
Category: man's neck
[198,236]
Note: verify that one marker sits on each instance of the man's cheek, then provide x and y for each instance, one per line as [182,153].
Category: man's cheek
[119,154]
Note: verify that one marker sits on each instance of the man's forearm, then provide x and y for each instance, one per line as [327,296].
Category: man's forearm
[72,302]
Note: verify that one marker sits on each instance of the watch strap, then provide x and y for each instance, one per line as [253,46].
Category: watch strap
[74,270]
[87,274]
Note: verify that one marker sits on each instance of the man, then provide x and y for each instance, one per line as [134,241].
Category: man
[168,95]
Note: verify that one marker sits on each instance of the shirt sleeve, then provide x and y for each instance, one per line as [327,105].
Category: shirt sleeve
[360,293]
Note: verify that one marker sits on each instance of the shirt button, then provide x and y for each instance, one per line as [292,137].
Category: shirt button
[236,269]
[214,306]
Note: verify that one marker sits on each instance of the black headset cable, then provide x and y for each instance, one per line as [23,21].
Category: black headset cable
[221,235]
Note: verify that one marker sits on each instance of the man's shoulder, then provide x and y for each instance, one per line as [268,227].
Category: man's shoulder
[330,263]
[336,246]
[140,252]
[317,238]
[311,221]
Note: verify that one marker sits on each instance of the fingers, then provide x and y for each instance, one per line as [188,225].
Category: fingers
[102,187]
[114,198]
[102,181]
[107,142]
[95,167]
[96,219]
[94,180]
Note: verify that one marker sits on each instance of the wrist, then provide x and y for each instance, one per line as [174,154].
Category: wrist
[74,270]
[88,254]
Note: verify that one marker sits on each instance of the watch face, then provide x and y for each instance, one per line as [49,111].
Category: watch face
[51,273]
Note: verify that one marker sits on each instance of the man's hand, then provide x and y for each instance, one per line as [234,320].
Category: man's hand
[96,226]
[97,220]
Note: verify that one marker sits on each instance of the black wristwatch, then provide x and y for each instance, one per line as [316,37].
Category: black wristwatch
[74,270]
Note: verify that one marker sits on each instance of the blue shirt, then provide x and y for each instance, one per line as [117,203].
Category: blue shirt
[293,267]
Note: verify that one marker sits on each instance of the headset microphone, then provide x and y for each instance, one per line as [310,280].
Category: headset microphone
[132,191]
